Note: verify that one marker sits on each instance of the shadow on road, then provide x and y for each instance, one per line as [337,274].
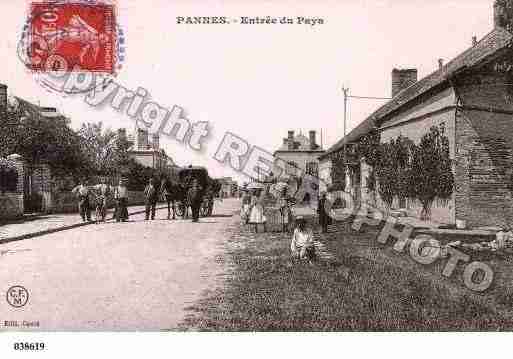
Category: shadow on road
[220,216]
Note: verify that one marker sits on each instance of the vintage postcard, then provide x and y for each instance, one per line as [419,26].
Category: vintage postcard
[242,166]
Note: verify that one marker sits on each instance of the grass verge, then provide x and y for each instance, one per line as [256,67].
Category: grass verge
[350,291]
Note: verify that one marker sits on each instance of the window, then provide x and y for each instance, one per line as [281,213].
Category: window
[312,168]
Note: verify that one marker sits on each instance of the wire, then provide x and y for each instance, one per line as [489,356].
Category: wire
[370,98]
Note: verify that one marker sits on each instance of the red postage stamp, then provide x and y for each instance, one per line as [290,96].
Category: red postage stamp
[72,36]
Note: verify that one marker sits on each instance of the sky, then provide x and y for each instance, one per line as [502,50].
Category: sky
[259,81]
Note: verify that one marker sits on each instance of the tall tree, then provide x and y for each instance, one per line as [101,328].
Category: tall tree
[42,139]
[431,170]
[99,147]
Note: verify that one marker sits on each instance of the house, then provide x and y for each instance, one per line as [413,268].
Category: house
[148,153]
[471,97]
[229,187]
[33,190]
[300,155]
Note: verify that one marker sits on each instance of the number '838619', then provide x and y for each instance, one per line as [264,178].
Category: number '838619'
[29,346]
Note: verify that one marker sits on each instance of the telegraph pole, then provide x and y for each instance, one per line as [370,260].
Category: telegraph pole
[346,97]
[346,91]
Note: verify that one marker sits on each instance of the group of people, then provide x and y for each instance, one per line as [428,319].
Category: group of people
[302,243]
[98,197]
[253,209]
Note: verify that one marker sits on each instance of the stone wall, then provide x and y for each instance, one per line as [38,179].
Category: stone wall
[484,146]
[483,170]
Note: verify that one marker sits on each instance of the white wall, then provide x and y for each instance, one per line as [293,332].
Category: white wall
[415,123]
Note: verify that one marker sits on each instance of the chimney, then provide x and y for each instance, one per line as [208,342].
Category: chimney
[3,98]
[474,41]
[402,78]
[313,145]
[290,140]
[503,14]
[440,63]
[155,141]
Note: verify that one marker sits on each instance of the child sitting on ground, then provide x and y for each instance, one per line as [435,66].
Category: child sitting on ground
[302,245]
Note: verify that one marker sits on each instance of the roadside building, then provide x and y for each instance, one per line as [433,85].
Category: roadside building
[148,152]
[472,99]
[229,187]
[300,155]
[35,179]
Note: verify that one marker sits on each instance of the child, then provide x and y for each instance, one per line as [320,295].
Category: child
[257,212]
[302,245]
[246,206]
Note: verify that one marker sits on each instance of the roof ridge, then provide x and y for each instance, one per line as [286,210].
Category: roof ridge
[435,78]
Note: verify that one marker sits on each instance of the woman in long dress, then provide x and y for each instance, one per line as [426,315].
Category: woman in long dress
[246,207]
[257,212]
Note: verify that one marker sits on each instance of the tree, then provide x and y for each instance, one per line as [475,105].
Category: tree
[40,139]
[99,147]
[338,172]
[138,175]
[122,145]
[393,169]
[431,170]
[369,148]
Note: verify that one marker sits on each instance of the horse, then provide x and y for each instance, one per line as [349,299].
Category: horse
[173,192]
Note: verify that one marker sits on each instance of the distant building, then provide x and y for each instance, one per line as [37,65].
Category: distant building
[148,152]
[229,187]
[300,153]
[301,156]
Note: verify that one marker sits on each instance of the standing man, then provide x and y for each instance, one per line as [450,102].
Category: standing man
[194,199]
[104,192]
[246,207]
[82,192]
[322,211]
[151,197]
[121,197]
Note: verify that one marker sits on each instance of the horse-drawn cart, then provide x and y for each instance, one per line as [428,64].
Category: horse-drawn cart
[204,193]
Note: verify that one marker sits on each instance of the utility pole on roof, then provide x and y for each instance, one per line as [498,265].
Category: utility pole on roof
[346,92]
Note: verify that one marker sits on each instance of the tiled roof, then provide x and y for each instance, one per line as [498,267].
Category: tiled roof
[494,41]
[49,112]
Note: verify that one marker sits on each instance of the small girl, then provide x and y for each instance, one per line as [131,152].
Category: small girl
[257,212]
[302,245]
